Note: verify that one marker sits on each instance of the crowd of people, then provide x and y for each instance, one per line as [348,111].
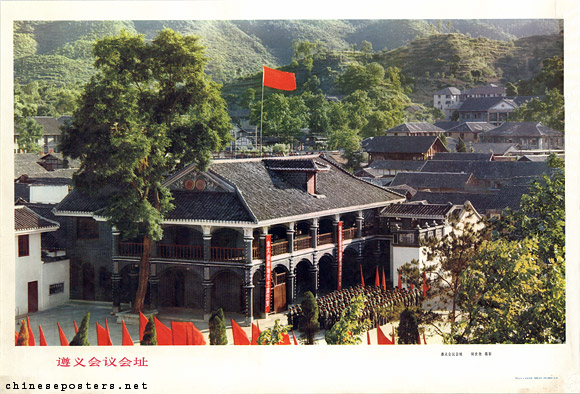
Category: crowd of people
[378,301]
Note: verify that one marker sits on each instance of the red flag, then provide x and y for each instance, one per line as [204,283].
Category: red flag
[382,338]
[419,340]
[294,336]
[399,282]
[63,340]
[368,338]
[412,286]
[424,341]
[377,279]
[102,337]
[285,339]
[240,336]
[142,323]
[42,338]
[393,335]
[15,337]
[108,333]
[279,79]
[164,334]
[426,286]
[31,341]
[127,341]
[384,281]
[362,279]
[255,333]
[76,328]
[185,333]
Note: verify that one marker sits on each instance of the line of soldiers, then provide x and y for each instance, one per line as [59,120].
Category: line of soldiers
[378,300]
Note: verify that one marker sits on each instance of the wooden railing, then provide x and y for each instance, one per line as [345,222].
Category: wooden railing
[303,242]
[349,233]
[279,247]
[227,254]
[256,253]
[184,252]
[324,239]
[130,249]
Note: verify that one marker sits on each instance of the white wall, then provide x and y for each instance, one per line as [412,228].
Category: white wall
[28,269]
[402,255]
[48,194]
[52,273]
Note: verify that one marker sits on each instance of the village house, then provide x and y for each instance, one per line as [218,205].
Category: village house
[51,133]
[468,131]
[490,90]
[226,220]
[42,271]
[446,100]
[402,147]
[414,129]
[526,135]
[494,110]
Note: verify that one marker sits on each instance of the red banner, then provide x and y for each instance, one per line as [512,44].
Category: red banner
[279,79]
[339,286]
[268,270]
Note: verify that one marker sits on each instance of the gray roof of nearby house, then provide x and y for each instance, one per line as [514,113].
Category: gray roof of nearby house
[415,127]
[462,156]
[509,197]
[261,193]
[417,210]
[50,125]
[27,164]
[399,144]
[522,129]
[26,219]
[409,165]
[488,169]
[402,189]
[56,240]
[497,148]
[471,127]
[449,90]
[483,104]
[446,124]
[479,201]
[432,180]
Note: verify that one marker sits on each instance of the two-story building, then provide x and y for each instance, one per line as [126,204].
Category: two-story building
[469,131]
[226,221]
[402,147]
[414,129]
[526,135]
[446,100]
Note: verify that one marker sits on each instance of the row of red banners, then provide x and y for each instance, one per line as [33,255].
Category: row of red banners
[383,340]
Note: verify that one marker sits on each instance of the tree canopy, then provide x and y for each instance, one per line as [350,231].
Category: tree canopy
[148,111]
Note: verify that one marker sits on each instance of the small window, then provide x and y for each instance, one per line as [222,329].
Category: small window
[23,245]
[56,288]
[87,228]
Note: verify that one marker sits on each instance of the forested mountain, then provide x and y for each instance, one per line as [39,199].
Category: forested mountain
[59,52]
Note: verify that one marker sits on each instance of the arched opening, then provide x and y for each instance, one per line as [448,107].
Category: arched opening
[88,281]
[303,279]
[181,242]
[348,220]
[302,229]
[227,245]
[350,268]
[259,295]
[278,233]
[180,288]
[325,231]
[125,284]
[327,275]
[227,292]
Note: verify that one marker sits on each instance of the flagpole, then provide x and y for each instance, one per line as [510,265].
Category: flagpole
[261,111]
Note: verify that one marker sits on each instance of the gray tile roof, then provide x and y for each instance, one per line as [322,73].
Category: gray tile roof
[416,127]
[497,148]
[471,127]
[399,144]
[446,124]
[27,164]
[55,240]
[432,180]
[417,210]
[50,125]
[521,129]
[218,206]
[483,104]
[509,197]
[479,201]
[449,90]
[462,156]
[488,169]
[410,165]
[26,219]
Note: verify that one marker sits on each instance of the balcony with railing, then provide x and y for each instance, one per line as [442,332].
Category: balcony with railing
[279,247]
[181,252]
[256,253]
[349,233]
[324,239]
[304,242]
[184,252]
[227,254]
[130,248]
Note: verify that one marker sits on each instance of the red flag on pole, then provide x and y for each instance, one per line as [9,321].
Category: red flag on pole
[393,335]
[412,286]
[368,338]
[384,281]
[382,338]
[42,338]
[76,327]
[127,341]
[362,279]
[294,336]
[63,340]
[425,284]
[255,334]
[399,281]
[240,336]
[31,341]
[424,341]
[377,278]
[419,339]
[15,337]
[164,334]
[142,323]
[279,79]
[185,333]
[102,338]
[285,339]
[108,333]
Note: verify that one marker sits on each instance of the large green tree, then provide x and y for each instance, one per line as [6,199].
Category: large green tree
[310,324]
[217,328]
[549,110]
[148,111]
[350,327]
